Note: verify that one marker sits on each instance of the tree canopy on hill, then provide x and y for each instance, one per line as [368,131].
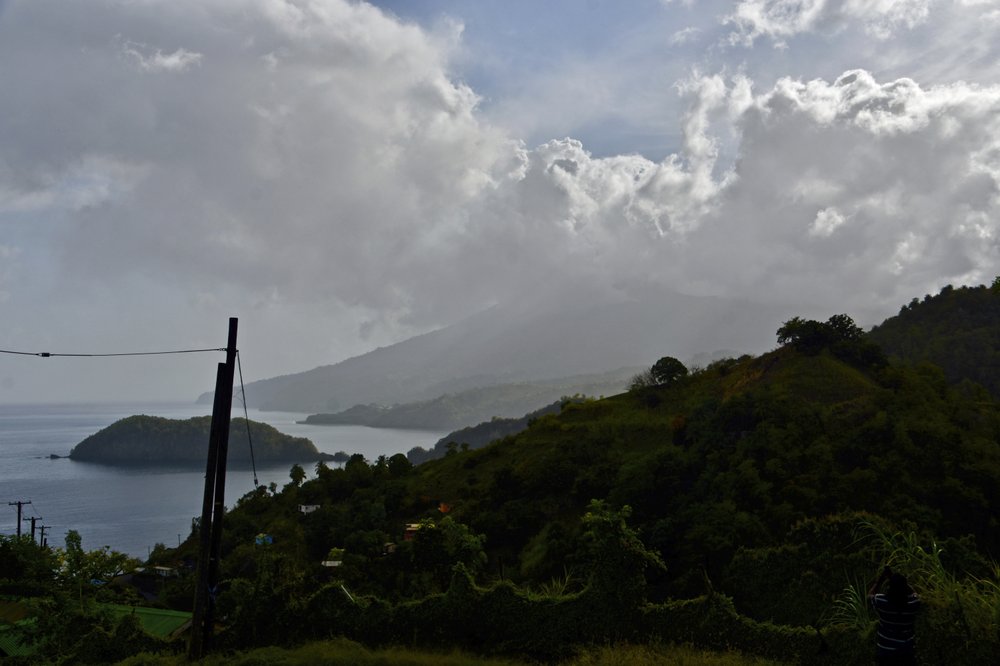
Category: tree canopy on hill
[157,440]
[777,480]
[728,457]
[957,329]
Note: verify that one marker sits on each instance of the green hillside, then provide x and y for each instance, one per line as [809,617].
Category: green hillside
[741,506]
[957,329]
[777,480]
[735,456]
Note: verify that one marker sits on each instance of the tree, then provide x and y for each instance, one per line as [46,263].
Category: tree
[79,567]
[641,380]
[668,370]
[437,547]
[806,335]
[845,328]
[811,337]
[23,560]
[297,474]
[358,472]
[617,557]
[399,466]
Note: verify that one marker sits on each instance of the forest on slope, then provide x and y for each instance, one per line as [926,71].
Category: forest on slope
[757,490]
[760,474]
[957,329]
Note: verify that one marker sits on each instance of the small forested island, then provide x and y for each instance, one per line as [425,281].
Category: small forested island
[148,440]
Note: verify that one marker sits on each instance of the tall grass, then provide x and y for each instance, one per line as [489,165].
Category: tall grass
[852,609]
[559,586]
[960,616]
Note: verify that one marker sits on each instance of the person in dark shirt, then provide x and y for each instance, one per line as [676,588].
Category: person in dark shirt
[897,613]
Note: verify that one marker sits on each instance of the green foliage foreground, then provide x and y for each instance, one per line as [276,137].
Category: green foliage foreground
[342,652]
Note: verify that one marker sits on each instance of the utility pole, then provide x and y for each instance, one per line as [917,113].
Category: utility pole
[32,519]
[19,504]
[213,503]
[41,537]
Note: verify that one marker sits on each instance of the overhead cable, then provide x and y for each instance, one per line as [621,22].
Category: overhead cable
[148,353]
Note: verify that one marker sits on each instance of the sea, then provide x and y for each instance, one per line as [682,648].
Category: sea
[132,509]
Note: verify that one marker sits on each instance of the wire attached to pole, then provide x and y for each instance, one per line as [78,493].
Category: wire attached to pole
[151,353]
[246,416]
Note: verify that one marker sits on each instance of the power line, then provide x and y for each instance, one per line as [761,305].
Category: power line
[150,353]
[246,417]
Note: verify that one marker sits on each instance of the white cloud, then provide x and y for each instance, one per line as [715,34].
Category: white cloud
[147,59]
[827,221]
[684,35]
[908,163]
[782,19]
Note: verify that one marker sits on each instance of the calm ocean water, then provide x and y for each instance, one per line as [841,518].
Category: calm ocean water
[131,509]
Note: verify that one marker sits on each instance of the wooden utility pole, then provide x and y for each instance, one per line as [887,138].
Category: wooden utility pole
[19,504]
[213,503]
[42,541]
[32,519]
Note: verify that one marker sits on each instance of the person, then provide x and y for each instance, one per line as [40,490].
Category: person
[897,614]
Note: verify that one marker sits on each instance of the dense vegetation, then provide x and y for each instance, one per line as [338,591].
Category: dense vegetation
[958,329]
[342,652]
[156,440]
[741,505]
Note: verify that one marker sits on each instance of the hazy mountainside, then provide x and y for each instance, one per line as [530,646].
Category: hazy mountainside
[571,334]
[958,329]
[478,436]
[464,408]
[157,440]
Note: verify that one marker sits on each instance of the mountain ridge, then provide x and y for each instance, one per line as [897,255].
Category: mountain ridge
[544,339]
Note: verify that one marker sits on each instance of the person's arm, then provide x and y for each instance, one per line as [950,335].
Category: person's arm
[884,576]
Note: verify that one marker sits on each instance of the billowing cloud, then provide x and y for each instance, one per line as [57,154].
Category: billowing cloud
[319,164]
[862,189]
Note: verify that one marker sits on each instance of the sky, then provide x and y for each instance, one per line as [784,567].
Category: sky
[342,175]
